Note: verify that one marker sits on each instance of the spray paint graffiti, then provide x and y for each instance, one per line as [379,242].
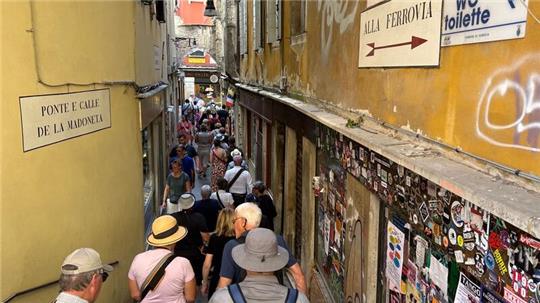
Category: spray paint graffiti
[505,88]
[334,12]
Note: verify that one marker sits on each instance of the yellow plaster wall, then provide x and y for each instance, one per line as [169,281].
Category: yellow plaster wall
[445,103]
[83,192]
[149,35]
[442,102]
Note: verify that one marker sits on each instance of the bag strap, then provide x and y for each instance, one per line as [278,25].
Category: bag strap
[219,200]
[231,183]
[236,293]
[156,274]
[292,295]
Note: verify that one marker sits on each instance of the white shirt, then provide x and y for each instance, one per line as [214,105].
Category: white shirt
[226,198]
[243,184]
[64,297]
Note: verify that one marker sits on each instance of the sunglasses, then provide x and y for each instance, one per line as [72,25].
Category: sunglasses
[104,276]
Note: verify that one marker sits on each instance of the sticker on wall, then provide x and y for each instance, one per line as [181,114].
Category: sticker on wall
[456,211]
[489,296]
[438,273]
[394,256]
[467,290]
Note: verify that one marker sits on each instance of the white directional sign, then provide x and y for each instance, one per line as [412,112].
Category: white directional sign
[401,33]
[474,21]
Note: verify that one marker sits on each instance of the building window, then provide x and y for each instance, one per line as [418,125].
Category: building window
[257,25]
[298,17]
[243,26]
[273,21]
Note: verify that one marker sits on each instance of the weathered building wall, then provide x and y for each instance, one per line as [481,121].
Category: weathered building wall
[449,227]
[85,191]
[445,103]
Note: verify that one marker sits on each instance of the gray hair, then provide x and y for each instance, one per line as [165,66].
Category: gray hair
[76,282]
[251,212]
[206,190]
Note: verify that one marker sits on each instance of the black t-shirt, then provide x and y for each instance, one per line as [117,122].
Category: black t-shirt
[223,114]
[195,224]
[209,208]
[268,210]
[215,248]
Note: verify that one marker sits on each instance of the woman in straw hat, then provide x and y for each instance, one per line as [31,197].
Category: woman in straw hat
[178,282]
[224,233]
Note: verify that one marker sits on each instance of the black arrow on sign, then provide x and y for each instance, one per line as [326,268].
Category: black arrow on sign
[415,42]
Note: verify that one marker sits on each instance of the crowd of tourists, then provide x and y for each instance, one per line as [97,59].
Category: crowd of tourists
[221,247]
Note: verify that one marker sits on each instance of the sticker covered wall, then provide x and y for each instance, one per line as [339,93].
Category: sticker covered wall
[439,246]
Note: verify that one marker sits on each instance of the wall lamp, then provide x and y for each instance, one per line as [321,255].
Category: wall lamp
[210,10]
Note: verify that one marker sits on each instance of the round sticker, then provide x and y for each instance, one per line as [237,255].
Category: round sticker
[489,260]
[415,218]
[460,240]
[457,213]
[452,236]
[445,241]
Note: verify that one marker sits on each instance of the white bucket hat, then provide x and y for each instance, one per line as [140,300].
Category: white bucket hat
[260,252]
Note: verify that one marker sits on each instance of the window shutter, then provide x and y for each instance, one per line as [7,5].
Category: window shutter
[271,21]
[243,27]
[278,19]
[257,24]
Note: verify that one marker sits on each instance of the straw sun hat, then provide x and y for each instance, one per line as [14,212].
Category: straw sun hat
[166,231]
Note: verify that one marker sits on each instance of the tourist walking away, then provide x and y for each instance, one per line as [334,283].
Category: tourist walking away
[265,203]
[239,181]
[185,128]
[260,256]
[204,140]
[190,151]
[177,184]
[187,112]
[208,207]
[82,275]
[222,195]
[191,246]
[232,147]
[214,251]
[223,115]
[157,275]
[247,217]
[236,152]
[218,162]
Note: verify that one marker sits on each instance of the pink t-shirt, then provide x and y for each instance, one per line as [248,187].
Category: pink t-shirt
[171,287]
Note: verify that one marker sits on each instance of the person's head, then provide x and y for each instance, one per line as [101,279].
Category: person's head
[186,202]
[247,216]
[232,141]
[204,128]
[166,232]
[217,125]
[176,164]
[222,183]
[206,191]
[222,130]
[217,142]
[258,188]
[237,159]
[182,139]
[224,223]
[186,101]
[180,150]
[260,253]
[223,106]
[83,273]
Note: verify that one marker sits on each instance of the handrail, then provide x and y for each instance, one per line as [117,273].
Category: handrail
[20,293]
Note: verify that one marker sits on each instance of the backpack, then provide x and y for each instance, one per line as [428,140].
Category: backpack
[238,297]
